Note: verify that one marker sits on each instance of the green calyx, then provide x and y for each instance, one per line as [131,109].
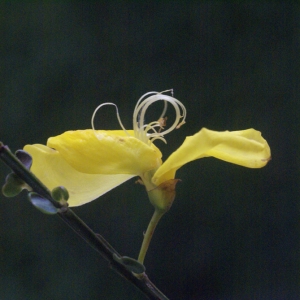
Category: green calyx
[162,196]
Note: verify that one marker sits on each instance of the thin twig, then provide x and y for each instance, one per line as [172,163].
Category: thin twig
[95,240]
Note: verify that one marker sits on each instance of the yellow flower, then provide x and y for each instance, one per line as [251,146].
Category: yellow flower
[91,162]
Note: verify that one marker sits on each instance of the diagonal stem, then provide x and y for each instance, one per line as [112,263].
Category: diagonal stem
[149,233]
[95,240]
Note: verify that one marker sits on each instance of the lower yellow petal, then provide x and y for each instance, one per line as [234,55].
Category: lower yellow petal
[111,152]
[49,167]
[246,148]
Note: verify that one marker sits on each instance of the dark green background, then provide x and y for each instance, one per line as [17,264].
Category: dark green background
[232,233]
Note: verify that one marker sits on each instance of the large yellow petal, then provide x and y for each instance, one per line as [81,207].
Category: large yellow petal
[49,166]
[111,152]
[246,148]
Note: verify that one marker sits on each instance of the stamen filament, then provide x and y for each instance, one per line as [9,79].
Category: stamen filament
[141,130]
[118,116]
[147,133]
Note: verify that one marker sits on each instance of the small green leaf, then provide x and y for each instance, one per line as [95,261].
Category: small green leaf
[131,264]
[24,158]
[13,185]
[42,204]
[60,193]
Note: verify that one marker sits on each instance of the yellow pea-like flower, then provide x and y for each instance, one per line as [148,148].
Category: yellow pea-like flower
[91,162]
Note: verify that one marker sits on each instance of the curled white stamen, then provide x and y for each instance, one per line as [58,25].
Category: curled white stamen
[118,116]
[147,132]
[142,131]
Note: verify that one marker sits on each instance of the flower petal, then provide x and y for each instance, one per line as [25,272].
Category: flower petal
[246,148]
[111,152]
[50,167]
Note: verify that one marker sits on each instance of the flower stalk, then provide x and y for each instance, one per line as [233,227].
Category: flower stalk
[149,233]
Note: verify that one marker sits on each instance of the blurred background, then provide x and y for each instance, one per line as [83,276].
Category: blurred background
[232,233]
